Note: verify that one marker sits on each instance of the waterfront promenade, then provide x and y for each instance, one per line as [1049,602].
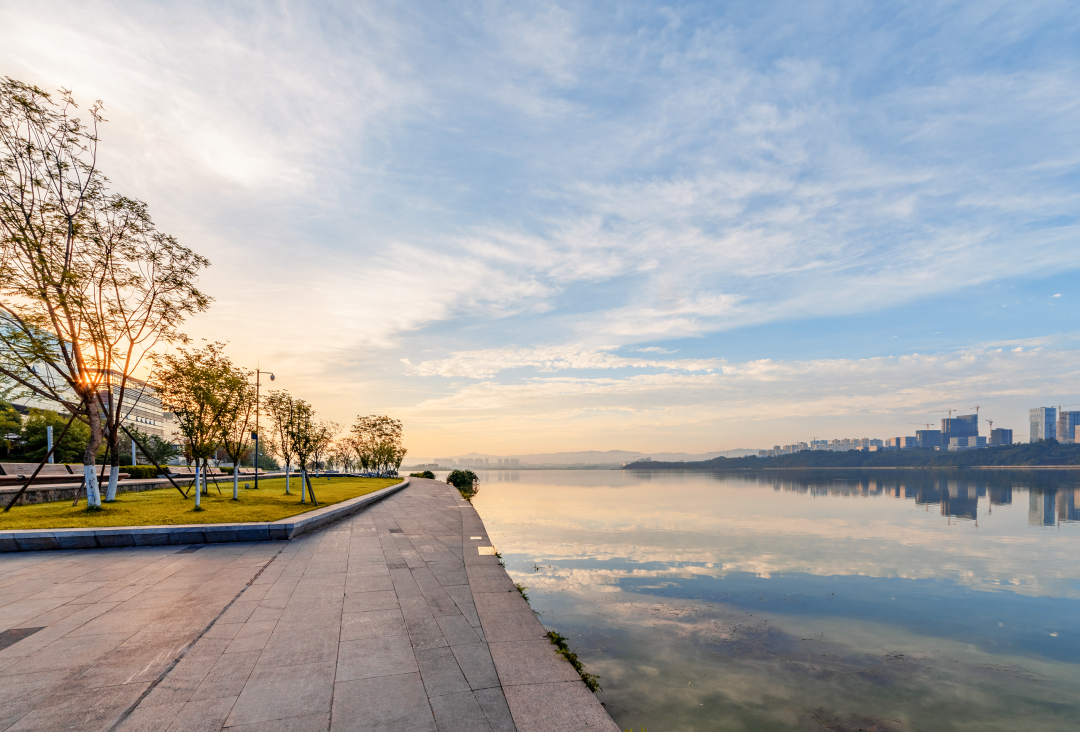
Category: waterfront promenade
[391,619]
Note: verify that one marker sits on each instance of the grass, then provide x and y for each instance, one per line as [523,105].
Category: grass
[559,641]
[167,506]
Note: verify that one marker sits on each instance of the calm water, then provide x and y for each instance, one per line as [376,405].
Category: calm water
[880,600]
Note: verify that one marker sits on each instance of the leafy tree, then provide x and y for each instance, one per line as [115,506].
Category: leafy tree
[87,283]
[199,387]
[281,408]
[377,442]
[158,450]
[304,436]
[426,474]
[10,424]
[325,432]
[235,421]
[34,434]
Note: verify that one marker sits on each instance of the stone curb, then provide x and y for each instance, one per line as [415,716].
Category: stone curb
[35,540]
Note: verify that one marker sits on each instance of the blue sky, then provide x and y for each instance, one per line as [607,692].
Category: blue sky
[567,226]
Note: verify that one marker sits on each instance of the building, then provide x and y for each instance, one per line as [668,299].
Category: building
[142,407]
[966,443]
[1067,422]
[1043,423]
[1001,436]
[928,438]
[966,425]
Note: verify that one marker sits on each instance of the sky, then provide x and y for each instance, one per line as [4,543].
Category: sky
[597,225]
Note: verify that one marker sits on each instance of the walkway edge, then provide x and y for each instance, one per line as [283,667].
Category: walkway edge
[34,540]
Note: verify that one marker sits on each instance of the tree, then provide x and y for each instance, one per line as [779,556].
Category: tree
[235,435]
[87,284]
[10,424]
[304,436]
[325,432]
[34,435]
[198,387]
[157,450]
[377,442]
[281,408]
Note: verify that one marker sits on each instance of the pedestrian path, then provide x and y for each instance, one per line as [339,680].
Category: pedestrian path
[391,619]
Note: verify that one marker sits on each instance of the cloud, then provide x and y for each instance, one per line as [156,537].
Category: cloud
[487,363]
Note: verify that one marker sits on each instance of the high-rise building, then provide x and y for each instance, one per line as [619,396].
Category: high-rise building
[1043,423]
[966,425]
[1001,436]
[1066,425]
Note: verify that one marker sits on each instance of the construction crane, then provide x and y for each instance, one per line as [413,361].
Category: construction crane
[976,408]
[925,423]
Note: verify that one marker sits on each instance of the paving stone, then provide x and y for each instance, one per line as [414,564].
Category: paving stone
[456,629]
[475,662]
[495,709]
[439,671]
[292,645]
[507,617]
[567,706]
[424,631]
[369,583]
[204,715]
[80,709]
[459,713]
[284,691]
[228,676]
[151,719]
[370,657]
[530,662]
[252,636]
[365,601]
[372,624]
[382,704]
[306,723]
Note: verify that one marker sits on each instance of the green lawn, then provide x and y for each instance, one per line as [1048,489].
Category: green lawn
[167,506]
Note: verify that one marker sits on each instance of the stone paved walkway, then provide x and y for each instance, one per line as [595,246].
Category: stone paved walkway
[388,620]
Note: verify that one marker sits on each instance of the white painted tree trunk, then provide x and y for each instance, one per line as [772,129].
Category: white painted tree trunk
[114,477]
[236,480]
[286,479]
[198,487]
[93,495]
[303,485]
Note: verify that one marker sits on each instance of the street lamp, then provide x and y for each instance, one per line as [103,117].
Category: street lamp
[256,433]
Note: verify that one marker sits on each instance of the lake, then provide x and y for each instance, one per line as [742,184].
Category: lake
[812,600]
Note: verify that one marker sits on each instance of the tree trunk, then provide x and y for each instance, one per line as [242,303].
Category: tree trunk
[236,480]
[287,466]
[198,487]
[93,493]
[114,471]
[303,484]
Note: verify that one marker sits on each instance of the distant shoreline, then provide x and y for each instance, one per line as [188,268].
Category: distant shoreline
[1043,455]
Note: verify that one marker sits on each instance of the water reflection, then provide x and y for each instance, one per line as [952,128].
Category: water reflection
[896,600]
[1053,498]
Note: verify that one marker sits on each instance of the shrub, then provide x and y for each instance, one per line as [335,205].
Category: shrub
[139,472]
[465,481]
[425,474]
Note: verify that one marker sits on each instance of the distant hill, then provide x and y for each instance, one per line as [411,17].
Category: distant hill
[1048,452]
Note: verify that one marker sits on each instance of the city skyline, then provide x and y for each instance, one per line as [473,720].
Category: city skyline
[668,227]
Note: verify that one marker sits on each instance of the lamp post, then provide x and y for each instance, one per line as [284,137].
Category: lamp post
[258,373]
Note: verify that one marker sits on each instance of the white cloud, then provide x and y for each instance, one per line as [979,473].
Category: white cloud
[487,363]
